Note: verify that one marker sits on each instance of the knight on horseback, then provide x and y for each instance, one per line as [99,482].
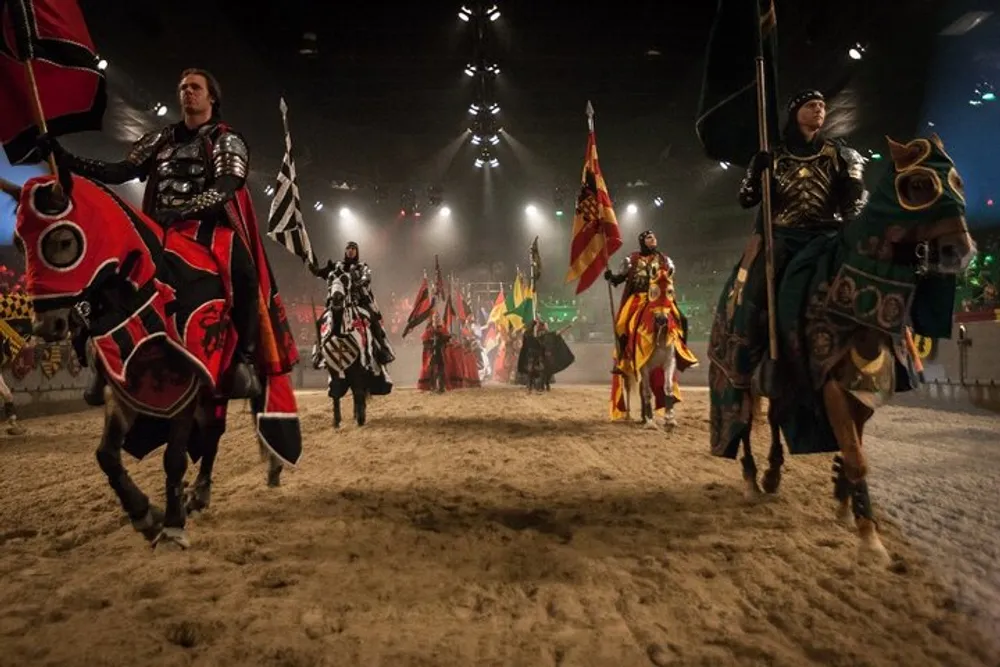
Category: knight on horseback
[363,296]
[817,187]
[194,170]
[637,270]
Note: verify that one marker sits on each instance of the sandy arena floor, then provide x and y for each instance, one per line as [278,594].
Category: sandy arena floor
[492,528]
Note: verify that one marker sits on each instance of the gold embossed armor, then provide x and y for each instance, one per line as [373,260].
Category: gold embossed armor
[804,188]
[812,191]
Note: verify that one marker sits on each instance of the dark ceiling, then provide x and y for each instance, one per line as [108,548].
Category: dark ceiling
[386,97]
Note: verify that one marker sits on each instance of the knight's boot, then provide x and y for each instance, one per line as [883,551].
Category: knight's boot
[622,343]
[244,380]
[383,353]
[93,395]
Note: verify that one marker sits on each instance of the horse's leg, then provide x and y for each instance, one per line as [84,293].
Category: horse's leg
[10,412]
[844,420]
[199,496]
[646,397]
[669,369]
[175,462]
[337,416]
[146,518]
[751,490]
[360,406]
[776,455]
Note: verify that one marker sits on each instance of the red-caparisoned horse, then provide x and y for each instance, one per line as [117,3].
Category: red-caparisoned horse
[155,305]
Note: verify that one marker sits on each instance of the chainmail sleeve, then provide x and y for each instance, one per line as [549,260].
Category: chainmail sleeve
[135,165]
[230,165]
[852,194]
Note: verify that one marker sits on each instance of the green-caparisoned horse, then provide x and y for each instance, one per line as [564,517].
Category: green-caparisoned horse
[843,304]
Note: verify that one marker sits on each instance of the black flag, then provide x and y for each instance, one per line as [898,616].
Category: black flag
[727,112]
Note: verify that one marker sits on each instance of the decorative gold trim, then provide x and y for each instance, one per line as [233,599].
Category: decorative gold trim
[865,366]
[898,151]
[935,179]
[955,183]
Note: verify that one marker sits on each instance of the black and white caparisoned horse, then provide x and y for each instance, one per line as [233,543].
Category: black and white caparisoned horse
[346,350]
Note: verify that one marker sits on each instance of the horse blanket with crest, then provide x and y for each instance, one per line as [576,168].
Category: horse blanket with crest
[827,290]
[176,291]
[347,346]
[646,309]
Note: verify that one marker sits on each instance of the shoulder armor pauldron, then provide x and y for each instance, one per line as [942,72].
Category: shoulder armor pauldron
[230,157]
[854,161]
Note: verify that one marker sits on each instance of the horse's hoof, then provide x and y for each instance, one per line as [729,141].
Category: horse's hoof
[172,539]
[198,497]
[845,515]
[16,429]
[151,524]
[772,480]
[650,424]
[872,551]
[751,490]
[274,478]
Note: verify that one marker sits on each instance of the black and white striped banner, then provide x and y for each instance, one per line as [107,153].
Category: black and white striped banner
[285,224]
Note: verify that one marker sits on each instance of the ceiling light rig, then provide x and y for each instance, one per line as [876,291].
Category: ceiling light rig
[484,130]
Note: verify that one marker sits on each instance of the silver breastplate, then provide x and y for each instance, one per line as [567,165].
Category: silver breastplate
[181,171]
[805,194]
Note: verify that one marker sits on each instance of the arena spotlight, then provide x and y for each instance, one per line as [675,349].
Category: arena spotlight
[631,209]
[493,13]
[445,212]
[160,109]
[345,213]
[531,209]
[856,52]
[102,64]
[464,14]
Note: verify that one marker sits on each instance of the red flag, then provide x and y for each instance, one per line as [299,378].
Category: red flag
[462,309]
[423,306]
[596,235]
[53,37]
[449,313]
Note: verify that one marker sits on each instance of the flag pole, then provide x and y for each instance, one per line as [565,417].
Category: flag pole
[766,208]
[532,250]
[607,258]
[25,49]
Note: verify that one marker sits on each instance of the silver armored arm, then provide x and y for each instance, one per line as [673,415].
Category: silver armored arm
[230,164]
[135,165]
[853,195]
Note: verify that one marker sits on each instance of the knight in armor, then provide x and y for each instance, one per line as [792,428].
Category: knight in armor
[637,270]
[360,275]
[193,169]
[816,187]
